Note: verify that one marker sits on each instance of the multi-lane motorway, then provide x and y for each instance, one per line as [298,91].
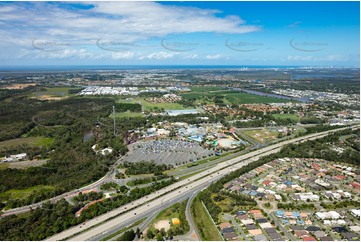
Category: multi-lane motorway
[129,213]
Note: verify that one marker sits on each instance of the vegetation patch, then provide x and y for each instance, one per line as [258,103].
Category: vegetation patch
[146,180]
[207,230]
[145,167]
[109,186]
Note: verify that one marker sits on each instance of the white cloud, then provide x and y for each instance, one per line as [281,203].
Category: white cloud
[157,56]
[318,58]
[213,57]
[122,55]
[295,24]
[191,56]
[126,21]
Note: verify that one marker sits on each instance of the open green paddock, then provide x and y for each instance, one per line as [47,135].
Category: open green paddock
[30,141]
[245,98]
[21,194]
[293,117]
[231,96]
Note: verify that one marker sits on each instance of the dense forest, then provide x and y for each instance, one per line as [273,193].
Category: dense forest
[71,161]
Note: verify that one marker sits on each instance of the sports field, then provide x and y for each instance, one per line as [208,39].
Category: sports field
[261,135]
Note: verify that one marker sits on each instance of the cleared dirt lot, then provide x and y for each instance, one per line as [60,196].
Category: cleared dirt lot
[26,164]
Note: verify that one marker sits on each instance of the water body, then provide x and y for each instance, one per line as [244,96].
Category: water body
[264,94]
[87,135]
[51,93]
[308,76]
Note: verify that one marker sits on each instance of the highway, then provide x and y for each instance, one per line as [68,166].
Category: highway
[129,213]
[27,208]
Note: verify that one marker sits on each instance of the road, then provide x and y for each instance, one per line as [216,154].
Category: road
[236,225]
[129,213]
[57,198]
[193,232]
[288,234]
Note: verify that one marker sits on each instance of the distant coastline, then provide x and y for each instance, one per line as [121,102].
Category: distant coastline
[150,67]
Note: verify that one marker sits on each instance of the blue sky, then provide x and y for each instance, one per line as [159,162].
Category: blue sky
[180,33]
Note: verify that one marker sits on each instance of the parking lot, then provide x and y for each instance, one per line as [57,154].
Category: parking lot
[166,151]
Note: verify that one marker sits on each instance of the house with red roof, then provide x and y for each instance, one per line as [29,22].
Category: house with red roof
[355,185]
[316,166]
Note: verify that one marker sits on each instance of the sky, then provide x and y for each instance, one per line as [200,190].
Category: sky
[180,33]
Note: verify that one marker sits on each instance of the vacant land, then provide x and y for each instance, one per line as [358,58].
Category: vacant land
[293,117]
[30,141]
[26,164]
[147,106]
[261,135]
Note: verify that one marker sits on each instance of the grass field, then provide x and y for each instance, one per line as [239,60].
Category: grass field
[245,98]
[3,166]
[229,97]
[23,193]
[207,230]
[201,92]
[293,117]
[261,135]
[206,89]
[31,141]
